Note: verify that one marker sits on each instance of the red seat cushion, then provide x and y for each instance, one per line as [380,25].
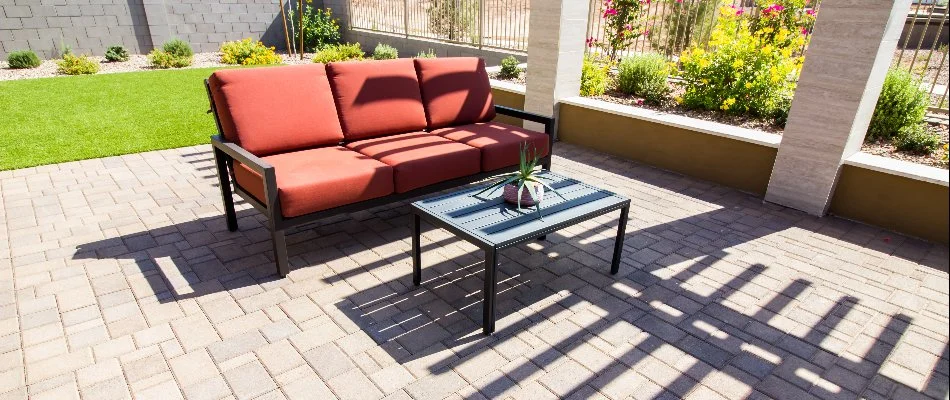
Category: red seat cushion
[319,179]
[500,143]
[276,109]
[455,91]
[420,159]
[376,98]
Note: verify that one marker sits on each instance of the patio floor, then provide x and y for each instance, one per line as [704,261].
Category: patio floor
[119,279]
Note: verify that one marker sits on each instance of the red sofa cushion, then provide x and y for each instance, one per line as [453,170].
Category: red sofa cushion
[319,179]
[455,91]
[420,159]
[276,109]
[376,98]
[499,143]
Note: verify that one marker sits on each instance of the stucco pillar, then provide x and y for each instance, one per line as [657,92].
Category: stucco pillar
[555,53]
[847,60]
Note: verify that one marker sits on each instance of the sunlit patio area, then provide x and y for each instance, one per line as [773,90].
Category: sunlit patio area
[124,282]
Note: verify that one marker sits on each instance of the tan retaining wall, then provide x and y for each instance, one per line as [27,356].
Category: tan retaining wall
[728,161]
[508,99]
[894,202]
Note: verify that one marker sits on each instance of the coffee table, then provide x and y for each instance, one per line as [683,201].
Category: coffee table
[491,224]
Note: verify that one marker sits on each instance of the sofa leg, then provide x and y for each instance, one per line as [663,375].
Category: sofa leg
[229,213]
[546,164]
[280,252]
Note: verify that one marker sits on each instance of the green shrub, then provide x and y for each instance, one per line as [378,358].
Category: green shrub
[320,29]
[593,77]
[901,105]
[453,19]
[428,53]
[509,68]
[178,48]
[164,60]
[23,59]
[780,114]
[752,63]
[339,52]
[117,53]
[77,65]
[385,52]
[917,139]
[644,75]
[248,52]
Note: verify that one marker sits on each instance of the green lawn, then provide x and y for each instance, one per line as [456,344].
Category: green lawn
[52,120]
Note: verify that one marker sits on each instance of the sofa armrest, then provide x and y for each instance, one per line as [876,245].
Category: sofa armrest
[527,116]
[266,170]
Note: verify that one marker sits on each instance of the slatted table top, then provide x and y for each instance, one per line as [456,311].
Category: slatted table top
[486,219]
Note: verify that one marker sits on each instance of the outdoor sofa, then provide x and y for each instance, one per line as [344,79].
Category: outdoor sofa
[301,143]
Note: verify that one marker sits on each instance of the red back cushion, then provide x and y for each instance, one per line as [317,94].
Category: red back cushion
[276,109]
[455,91]
[376,98]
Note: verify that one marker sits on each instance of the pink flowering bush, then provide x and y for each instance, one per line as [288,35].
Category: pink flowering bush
[752,62]
[624,23]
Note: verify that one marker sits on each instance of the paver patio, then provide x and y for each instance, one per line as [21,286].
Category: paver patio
[120,279]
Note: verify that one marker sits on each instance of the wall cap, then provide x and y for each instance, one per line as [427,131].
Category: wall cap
[902,168]
[679,121]
[507,86]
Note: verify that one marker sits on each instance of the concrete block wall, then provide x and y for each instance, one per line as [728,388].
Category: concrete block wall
[91,26]
[411,46]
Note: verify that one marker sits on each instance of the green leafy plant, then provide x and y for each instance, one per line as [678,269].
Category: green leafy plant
[23,59]
[453,19]
[509,68]
[248,52]
[117,53]
[753,62]
[594,76]
[175,53]
[686,22]
[339,52]
[623,22]
[320,28]
[427,53]
[527,174]
[385,52]
[77,65]
[917,139]
[644,75]
[901,105]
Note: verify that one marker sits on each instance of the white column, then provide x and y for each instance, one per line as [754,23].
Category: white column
[556,40]
[847,60]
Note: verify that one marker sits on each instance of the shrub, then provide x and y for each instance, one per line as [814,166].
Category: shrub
[428,53]
[780,114]
[901,105]
[509,68]
[453,19]
[339,52]
[644,75]
[320,29]
[917,139]
[23,59]
[77,65]
[385,52]
[117,53]
[178,48]
[175,53]
[752,64]
[248,52]
[593,77]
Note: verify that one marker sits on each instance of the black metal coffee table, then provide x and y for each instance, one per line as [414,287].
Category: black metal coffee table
[491,224]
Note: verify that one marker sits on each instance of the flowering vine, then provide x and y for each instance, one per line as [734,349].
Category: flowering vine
[624,22]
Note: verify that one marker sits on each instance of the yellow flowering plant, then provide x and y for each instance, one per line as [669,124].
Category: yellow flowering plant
[752,61]
[248,52]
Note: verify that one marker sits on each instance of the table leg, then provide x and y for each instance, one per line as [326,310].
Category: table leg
[416,251]
[618,244]
[488,312]
[542,238]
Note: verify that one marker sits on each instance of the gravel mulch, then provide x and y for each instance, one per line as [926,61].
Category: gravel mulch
[137,62]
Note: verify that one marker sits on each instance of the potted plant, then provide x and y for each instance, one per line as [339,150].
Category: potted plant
[526,186]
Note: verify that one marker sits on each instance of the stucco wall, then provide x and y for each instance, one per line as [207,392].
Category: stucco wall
[911,206]
[92,26]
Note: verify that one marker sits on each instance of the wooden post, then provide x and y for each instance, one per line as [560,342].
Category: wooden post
[300,10]
[283,18]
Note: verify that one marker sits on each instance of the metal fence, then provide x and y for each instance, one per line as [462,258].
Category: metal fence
[922,50]
[501,24]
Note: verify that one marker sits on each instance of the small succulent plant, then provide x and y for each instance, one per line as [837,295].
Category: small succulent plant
[526,177]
